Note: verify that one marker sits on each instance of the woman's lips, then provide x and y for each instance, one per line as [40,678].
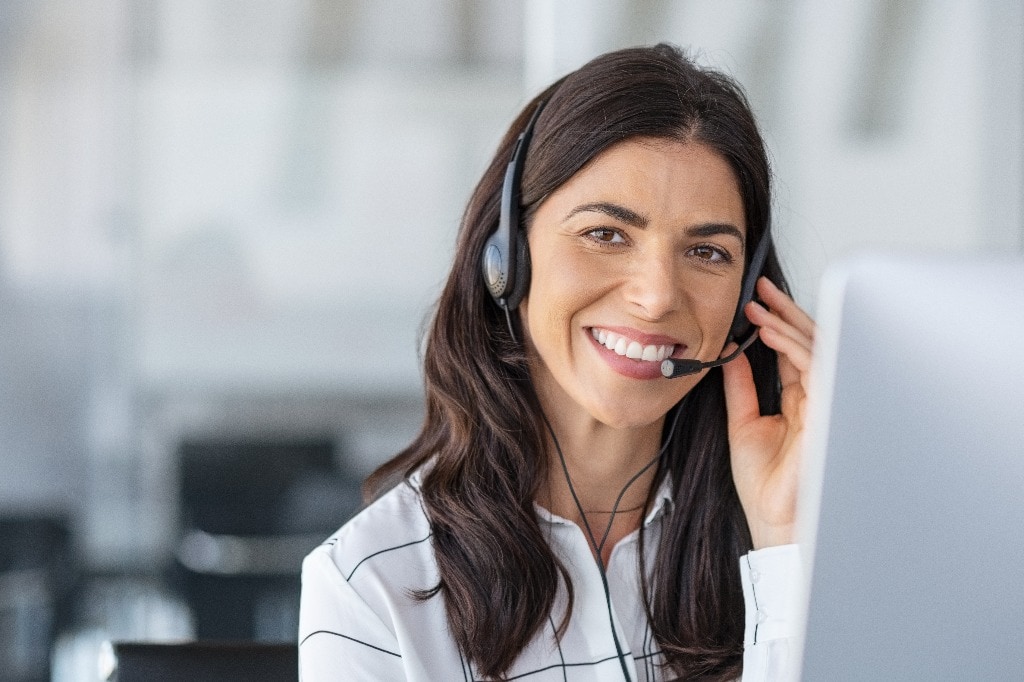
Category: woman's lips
[621,344]
[634,354]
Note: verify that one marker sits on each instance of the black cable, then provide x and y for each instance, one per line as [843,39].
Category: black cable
[618,500]
[508,318]
[590,533]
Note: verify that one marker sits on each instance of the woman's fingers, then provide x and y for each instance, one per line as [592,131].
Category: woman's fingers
[741,404]
[789,374]
[794,390]
[798,354]
[781,337]
[785,328]
[768,320]
[779,302]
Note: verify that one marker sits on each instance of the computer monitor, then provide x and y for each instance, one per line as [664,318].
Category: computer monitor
[912,504]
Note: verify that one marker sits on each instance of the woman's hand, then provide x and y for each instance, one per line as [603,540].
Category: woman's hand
[766,450]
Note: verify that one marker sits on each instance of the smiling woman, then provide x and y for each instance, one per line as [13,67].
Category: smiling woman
[567,512]
[645,243]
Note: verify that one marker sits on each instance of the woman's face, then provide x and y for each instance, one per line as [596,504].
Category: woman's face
[638,257]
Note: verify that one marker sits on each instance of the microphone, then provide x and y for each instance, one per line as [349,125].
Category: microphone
[672,368]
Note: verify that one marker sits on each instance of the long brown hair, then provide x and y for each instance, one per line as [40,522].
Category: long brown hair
[482,432]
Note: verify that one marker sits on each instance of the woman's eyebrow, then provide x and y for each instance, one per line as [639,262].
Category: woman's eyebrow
[631,217]
[715,229]
[616,211]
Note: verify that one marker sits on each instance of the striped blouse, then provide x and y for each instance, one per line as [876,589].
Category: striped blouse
[359,622]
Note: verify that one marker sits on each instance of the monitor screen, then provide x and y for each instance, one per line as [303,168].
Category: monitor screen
[912,508]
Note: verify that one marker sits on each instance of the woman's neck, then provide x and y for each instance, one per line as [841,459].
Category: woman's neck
[600,462]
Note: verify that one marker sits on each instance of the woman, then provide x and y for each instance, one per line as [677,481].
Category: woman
[566,512]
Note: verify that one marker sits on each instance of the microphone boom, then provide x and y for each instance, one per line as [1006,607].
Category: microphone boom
[672,368]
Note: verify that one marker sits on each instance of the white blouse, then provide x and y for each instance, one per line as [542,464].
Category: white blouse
[359,621]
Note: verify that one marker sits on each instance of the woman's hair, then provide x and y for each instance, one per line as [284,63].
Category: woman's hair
[482,432]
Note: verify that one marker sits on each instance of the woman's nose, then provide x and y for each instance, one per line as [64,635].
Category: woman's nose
[653,286]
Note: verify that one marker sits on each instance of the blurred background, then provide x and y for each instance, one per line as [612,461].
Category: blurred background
[223,224]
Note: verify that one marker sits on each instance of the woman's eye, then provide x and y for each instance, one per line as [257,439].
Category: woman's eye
[711,254]
[605,235]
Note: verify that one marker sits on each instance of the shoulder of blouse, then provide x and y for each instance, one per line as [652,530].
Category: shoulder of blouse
[393,522]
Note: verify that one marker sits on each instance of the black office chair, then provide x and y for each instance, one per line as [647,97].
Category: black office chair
[201,662]
[251,509]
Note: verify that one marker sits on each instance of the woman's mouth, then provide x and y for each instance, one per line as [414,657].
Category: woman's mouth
[631,349]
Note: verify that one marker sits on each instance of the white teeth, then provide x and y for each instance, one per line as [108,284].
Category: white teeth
[631,349]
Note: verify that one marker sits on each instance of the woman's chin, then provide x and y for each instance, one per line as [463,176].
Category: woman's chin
[631,415]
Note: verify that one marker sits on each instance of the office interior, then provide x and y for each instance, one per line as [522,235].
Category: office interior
[223,224]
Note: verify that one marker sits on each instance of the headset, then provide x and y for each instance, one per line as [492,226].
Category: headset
[505,262]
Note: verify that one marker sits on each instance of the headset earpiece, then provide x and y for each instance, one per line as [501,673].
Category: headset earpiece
[505,262]
[740,323]
[521,280]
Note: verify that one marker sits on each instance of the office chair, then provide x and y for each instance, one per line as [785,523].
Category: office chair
[251,509]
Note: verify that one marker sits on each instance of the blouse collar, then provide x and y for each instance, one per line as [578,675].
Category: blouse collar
[662,504]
